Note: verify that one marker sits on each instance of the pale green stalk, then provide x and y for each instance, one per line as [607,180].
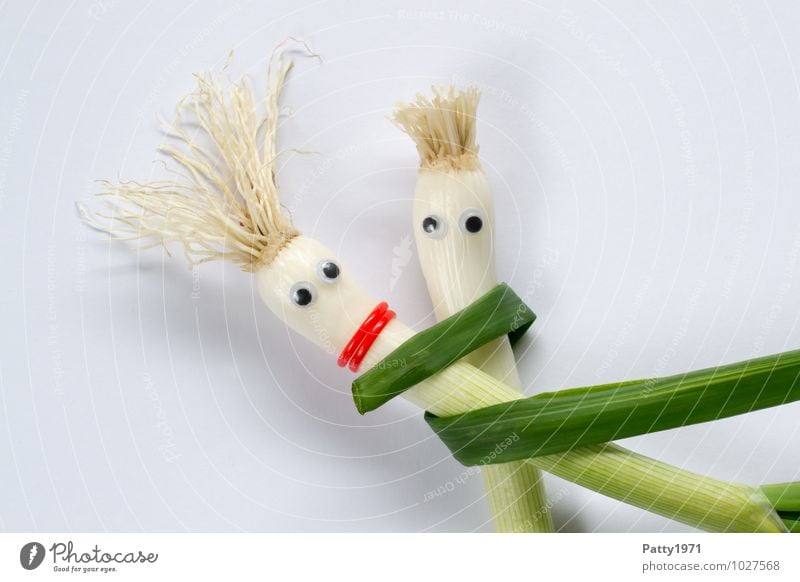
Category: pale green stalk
[515,490]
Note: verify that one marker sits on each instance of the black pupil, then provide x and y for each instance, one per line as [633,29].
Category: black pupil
[429,224]
[473,224]
[330,270]
[302,296]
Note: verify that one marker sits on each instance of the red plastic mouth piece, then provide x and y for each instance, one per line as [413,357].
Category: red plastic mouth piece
[356,349]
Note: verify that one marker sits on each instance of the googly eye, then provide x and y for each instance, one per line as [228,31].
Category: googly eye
[433,226]
[302,294]
[328,271]
[472,221]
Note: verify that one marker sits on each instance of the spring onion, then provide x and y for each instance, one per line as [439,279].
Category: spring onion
[453,222]
[222,203]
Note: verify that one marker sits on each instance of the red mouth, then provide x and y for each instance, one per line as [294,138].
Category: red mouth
[358,346]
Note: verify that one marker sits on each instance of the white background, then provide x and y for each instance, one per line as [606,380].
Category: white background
[646,166]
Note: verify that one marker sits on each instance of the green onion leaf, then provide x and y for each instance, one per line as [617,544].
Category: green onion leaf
[783,496]
[560,421]
[497,313]
[793,525]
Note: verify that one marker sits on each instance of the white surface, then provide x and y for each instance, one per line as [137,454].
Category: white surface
[646,164]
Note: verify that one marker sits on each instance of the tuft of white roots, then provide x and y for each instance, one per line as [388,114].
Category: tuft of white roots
[442,127]
[223,200]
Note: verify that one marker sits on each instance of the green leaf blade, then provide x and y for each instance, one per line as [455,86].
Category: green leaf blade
[783,496]
[497,313]
[557,422]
